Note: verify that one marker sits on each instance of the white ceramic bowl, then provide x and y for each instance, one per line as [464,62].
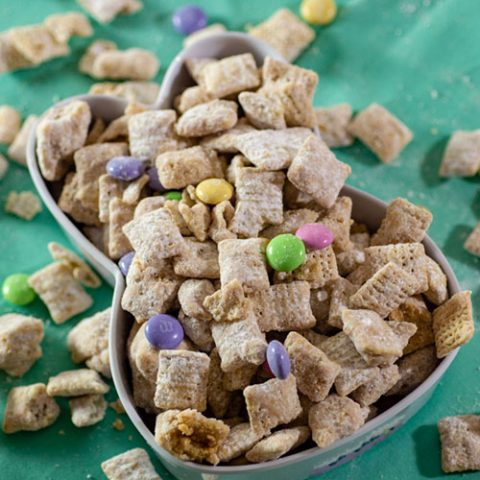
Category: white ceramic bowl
[366,209]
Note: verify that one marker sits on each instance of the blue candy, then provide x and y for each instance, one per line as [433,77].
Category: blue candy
[125,168]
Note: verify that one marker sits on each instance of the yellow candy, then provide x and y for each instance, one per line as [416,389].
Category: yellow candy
[318,12]
[214,191]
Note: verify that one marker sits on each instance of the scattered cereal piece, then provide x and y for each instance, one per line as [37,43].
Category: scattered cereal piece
[462,155]
[333,124]
[197,260]
[381,132]
[370,391]
[117,406]
[9,124]
[130,465]
[64,26]
[87,410]
[74,383]
[23,204]
[20,338]
[104,11]
[190,436]
[61,293]
[285,32]
[3,166]
[460,443]
[472,243]
[29,408]
[453,323]
[212,29]
[118,424]
[335,418]
[18,149]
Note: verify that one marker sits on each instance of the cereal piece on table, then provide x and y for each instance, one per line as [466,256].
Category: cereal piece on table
[9,124]
[259,201]
[262,111]
[240,378]
[285,32]
[318,269]
[120,213]
[189,166]
[316,171]
[117,406]
[133,464]
[222,215]
[415,311]
[231,75]
[197,219]
[195,67]
[386,290]
[3,166]
[104,11]
[100,363]
[149,204]
[404,222]
[62,294]
[333,124]
[87,410]
[272,149]
[20,338]
[381,132]
[283,307]
[338,220]
[198,331]
[462,155]
[472,243]
[340,349]
[205,32]
[103,60]
[116,130]
[453,323]
[191,297]
[143,92]
[10,57]
[154,236]
[460,439]
[151,133]
[18,149]
[190,436]
[314,372]
[90,163]
[239,344]
[197,260]
[23,204]
[81,271]
[227,304]
[272,403]
[191,97]
[224,142]
[341,291]
[218,397]
[64,26]
[335,418]
[278,444]
[74,383]
[244,260]
[29,408]
[207,118]
[414,369]
[370,391]
[182,380]
[437,291]
[60,133]
[241,438]
[292,221]
[373,338]
[349,379]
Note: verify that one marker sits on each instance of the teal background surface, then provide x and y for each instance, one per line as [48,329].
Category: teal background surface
[419,58]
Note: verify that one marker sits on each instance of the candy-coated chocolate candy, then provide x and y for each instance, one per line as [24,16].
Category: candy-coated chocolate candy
[189,19]
[315,236]
[16,290]
[318,12]
[173,195]
[285,252]
[125,168]
[153,180]
[214,191]
[125,262]
[164,331]
[278,360]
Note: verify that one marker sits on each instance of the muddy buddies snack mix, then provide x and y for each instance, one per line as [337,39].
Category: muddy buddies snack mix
[264,317]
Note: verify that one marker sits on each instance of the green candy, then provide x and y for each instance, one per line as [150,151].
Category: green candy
[16,289]
[173,195]
[285,252]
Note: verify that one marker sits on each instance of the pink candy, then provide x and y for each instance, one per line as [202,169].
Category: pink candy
[315,236]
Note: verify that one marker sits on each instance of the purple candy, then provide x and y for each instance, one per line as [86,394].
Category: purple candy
[164,331]
[189,19]
[125,168]
[315,236]
[278,360]
[125,262]
[153,180]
